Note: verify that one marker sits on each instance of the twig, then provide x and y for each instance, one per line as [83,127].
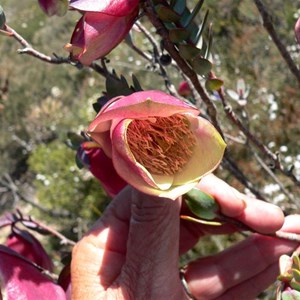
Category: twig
[267,22]
[273,157]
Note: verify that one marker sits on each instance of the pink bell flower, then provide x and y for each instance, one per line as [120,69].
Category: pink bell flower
[102,27]
[157,143]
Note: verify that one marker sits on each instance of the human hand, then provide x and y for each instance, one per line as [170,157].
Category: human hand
[132,251]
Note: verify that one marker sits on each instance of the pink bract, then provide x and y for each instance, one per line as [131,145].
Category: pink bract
[149,109]
[20,279]
[111,7]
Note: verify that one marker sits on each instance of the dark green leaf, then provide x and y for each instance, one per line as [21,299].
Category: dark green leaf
[201,204]
[166,14]
[78,162]
[2,18]
[179,6]
[74,140]
[201,29]
[201,66]
[117,87]
[189,52]
[213,84]
[136,84]
[178,35]
[193,14]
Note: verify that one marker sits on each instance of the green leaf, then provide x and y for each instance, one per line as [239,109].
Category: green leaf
[179,6]
[201,66]
[2,18]
[166,14]
[193,14]
[296,274]
[213,84]
[201,29]
[117,87]
[295,285]
[136,84]
[296,262]
[201,204]
[178,35]
[74,140]
[188,51]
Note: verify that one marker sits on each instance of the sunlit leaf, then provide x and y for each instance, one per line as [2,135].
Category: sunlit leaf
[295,285]
[296,274]
[188,51]
[201,66]
[200,221]
[201,204]
[213,84]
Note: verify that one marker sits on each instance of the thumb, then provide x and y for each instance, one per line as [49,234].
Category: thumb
[151,266]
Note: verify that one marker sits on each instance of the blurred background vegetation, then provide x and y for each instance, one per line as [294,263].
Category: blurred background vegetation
[40,103]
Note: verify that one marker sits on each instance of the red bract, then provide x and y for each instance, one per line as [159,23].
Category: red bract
[101,28]
[102,168]
[54,7]
[20,279]
[28,246]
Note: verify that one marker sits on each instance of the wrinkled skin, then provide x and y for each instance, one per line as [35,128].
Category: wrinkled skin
[132,251]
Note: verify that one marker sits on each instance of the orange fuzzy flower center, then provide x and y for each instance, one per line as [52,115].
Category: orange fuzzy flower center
[163,145]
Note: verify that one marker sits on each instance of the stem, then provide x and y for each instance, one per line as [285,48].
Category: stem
[267,22]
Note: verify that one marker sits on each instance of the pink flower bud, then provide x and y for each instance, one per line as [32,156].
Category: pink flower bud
[28,246]
[102,27]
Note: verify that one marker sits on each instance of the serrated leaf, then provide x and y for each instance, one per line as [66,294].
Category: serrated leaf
[2,18]
[213,84]
[201,29]
[136,84]
[166,14]
[290,295]
[188,51]
[201,66]
[201,204]
[117,87]
[178,35]
[179,6]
